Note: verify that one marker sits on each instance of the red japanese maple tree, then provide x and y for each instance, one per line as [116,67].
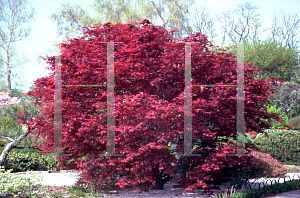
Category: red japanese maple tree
[149,68]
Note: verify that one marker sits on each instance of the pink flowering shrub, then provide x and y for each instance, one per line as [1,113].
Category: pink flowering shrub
[263,166]
[272,168]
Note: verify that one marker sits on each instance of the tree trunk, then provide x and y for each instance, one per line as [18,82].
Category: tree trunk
[10,146]
[160,182]
[179,172]
[159,185]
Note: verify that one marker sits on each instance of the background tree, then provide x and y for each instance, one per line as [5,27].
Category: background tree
[277,56]
[237,27]
[13,14]
[70,17]
[244,25]
[275,61]
[18,71]
[285,32]
[204,24]
[272,58]
[177,16]
[122,11]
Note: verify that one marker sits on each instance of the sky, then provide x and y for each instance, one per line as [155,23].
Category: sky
[43,33]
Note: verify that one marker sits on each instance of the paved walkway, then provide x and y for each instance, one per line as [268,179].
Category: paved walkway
[292,194]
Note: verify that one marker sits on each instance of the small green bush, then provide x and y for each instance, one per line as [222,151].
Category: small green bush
[295,121]
[282,145]
[275,124]
[21,160]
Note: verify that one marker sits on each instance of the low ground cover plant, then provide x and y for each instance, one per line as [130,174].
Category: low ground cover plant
[17,185]
[30,187]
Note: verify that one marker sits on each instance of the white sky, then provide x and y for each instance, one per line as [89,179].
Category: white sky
[44,30]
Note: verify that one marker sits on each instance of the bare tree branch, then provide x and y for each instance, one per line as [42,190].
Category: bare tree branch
[204,24]
[240,31]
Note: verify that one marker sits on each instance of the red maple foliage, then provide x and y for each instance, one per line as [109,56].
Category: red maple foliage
[146,69]
[253,135]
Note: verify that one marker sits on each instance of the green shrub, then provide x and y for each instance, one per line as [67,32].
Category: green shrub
[295,121]
[21,160]
[275,124]
[282,145]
